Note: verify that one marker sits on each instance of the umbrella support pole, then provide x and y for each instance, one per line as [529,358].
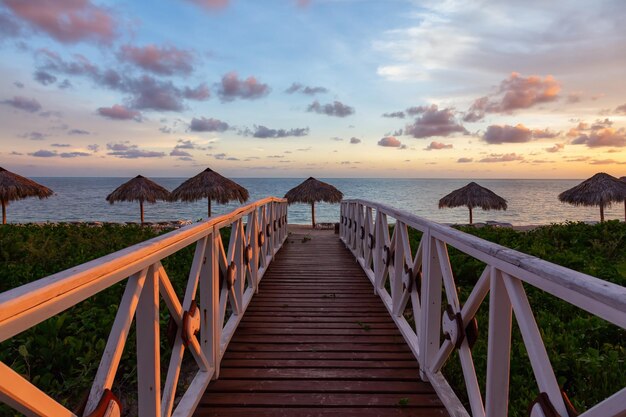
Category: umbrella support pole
[4,212]
[141,209]
[313,214]
[601,213]
[471,216]
[209,207]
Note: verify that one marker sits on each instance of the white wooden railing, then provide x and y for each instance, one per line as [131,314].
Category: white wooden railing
[417,282]
[258,230]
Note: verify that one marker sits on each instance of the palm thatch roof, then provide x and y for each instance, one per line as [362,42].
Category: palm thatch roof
[312,190]
[600,190]
[139,189]
[209,184]
[473,195]
[15,187]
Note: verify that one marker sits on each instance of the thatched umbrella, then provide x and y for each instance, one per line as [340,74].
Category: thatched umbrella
[15,187]
[313,190]
[473,195]
[600,190]
[211,185]
[139,189]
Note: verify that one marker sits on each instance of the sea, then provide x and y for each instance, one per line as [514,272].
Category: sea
[530,202]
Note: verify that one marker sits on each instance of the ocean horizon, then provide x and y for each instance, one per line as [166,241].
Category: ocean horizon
[530,201]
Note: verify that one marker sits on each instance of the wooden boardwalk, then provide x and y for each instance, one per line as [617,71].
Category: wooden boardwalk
[316,341]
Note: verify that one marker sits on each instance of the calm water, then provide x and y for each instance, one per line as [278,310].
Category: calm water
[530,201]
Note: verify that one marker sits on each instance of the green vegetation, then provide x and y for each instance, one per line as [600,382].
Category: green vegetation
[62,354]
[588,354]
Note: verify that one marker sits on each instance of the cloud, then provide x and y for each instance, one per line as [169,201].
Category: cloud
[354,140]
[231,88]
[199,93]
[18,84]
[22,103]
[602,137]
[496,134]
[152,94]
[185,144]
[207,125]
[336,109]
[65,84]
[74,132]
[606,162]
[303,89]
[621,109]
[464,160]
[223,156]
[390,142]
[44,78]
[265,132]
[395,114]
[507,157]
[545,134]
[34,135]
[434,146]
[434,122]
[8,27]
[557,147]
[61,145]
[118,112]
[43,154]
[73,154]
[94,147]
[177,152]
[161,60]
[67,21]
[337,139]
[127,151]
[210,4]
[515,92]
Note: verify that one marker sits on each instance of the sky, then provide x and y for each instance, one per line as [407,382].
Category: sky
[326,88]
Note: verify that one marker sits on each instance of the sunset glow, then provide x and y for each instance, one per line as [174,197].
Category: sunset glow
[331,88]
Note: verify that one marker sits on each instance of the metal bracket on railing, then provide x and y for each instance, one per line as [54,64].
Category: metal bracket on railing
[231,273]
[454,331]
[268,230]
[109,406]
[542,407]
[247,254]
[261,238]
[341,219]
[372,241]
[412,278]
[355,226]
[349,223]
[388,259]
[275,225]
[191,323]
[362,232]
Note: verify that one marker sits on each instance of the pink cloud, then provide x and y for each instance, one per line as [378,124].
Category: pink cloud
[207,125]
[507,157]
[68,21]
[162,60]
[435,146]
[602,137]
[390,142]
[545,134]
[231,87]
[22,103]
[434,122]
[497,134]
[118,112]
[557,147]
[516,92]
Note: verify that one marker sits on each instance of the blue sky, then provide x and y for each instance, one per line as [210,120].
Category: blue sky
[491,89]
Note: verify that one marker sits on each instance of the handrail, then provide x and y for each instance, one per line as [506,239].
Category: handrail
[418,281]
[240,267]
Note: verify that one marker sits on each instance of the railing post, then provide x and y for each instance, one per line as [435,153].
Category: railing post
[210,304]
[149,348]
[398,268]
[499,348]
[430,323]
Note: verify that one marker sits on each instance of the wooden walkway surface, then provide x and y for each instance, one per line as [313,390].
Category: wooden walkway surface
[316,341]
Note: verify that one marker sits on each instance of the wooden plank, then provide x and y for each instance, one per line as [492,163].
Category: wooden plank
[311,385]
[317,341]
